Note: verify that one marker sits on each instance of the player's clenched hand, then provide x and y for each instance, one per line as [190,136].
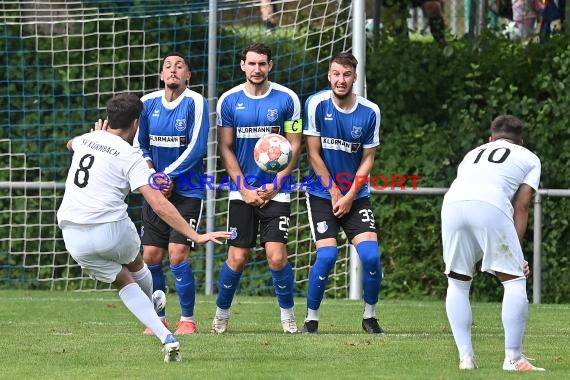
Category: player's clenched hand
[526,269]
[342,206]
[167,190]
[213,236]
[101,125]
[252,198]
[267,192]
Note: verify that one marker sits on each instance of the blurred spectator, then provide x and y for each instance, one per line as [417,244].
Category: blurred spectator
[525,15]
[268,15]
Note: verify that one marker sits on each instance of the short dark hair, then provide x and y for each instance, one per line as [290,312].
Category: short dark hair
[180,55]
[507,127]
[344,59]
[257,48]
[122,109]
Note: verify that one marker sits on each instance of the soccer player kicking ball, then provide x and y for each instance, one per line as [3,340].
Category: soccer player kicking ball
[96,228]
[342,133]
[484,218]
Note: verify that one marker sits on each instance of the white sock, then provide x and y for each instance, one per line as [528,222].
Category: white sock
[459,314]
[287,314]
[369,311]
[187,319]
[222,313]
[141,306]
[514,315]
[312,315]
[144,278]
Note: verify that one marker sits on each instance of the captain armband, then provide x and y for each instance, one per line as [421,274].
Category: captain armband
[294,126]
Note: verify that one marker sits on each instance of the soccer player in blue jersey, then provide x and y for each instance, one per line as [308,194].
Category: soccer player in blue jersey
[257,202]
[173,136]
[342,134]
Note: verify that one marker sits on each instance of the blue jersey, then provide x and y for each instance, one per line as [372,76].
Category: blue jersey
[175,137]
[253,117]
[344,134]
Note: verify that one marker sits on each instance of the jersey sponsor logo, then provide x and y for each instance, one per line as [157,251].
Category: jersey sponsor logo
[256,132]
[156,113]
[328,116]
[322,227]
[338,144]
[165,141]
[356,132]
[180,124]
[233,233]
[272,115]
[240,106]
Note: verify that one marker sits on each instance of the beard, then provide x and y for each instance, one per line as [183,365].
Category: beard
[174,86]
[342,96]
[257,81]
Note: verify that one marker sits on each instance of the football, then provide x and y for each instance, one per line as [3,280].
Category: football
[272,153]
[159,300]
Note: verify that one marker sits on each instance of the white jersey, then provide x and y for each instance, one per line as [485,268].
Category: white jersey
[493,172]
[103,170]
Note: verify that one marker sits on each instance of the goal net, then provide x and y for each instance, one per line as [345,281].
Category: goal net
[62,60]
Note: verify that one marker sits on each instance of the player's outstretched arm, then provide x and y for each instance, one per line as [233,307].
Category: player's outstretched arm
[167,212]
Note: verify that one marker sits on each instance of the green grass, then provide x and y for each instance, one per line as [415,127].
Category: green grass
[57,335]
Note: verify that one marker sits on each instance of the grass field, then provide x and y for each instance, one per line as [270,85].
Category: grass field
[57,335]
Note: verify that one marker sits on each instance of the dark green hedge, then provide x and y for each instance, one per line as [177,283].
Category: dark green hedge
[436,105]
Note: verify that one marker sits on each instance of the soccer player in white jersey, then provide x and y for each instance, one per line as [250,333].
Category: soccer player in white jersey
[173,137]
[484,217]
[342,133]
[258,200]
[96,228]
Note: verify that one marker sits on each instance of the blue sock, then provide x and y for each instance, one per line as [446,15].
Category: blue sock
[185,287]
[318,276]
[369,253]
[283,282]
[228,282]
[158,281]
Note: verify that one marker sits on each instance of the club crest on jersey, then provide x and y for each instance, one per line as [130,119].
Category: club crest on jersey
[233,233]
[180,124]
[272,115]
[356,132]
[322,227]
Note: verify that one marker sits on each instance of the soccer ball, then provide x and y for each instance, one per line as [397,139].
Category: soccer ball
[272,153]
[159,300]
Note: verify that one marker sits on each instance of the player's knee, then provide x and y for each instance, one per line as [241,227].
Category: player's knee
[369,254]
[327,256]
[236,262]
[153,255]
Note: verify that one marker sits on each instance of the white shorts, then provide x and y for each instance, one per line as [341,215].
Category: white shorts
[473,231]
[102,249]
